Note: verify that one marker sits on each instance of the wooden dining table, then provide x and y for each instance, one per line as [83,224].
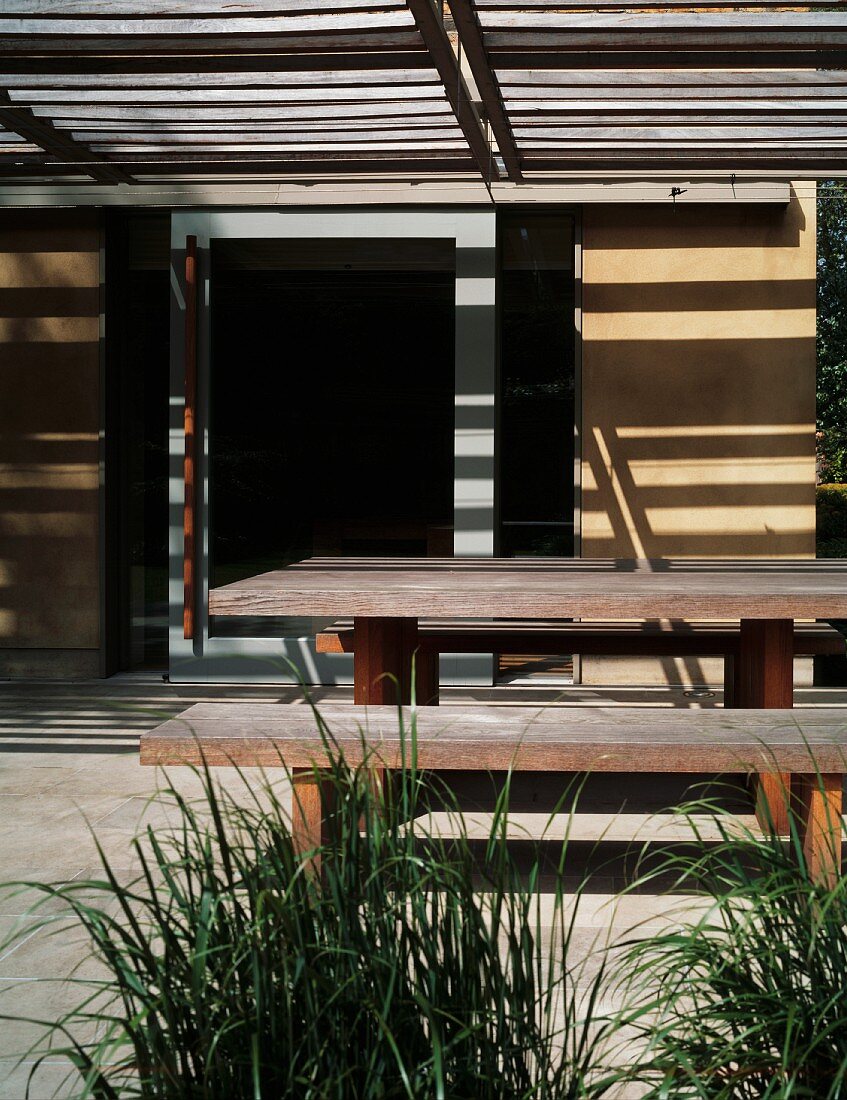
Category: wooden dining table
[385,597]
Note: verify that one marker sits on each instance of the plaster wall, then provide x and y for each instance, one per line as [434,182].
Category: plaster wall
[698,389]
[49,451]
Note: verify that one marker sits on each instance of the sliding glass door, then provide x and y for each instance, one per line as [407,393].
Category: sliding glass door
[345,405]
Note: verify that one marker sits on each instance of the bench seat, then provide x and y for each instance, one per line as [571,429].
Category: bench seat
[608,639]
[664,639]
[810,745]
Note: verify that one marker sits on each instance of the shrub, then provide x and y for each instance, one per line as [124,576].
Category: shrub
[234,971]
[831,505]
[752,995]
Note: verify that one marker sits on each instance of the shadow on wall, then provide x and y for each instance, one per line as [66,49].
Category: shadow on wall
[49,420]
[699,384]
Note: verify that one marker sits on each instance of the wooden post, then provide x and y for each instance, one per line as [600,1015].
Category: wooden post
[818,799]
[765,679]
[382,661]
[189,525]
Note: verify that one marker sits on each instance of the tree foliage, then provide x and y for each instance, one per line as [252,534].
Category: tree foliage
[832,327]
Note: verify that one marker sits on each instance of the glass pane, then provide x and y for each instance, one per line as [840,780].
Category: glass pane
[537,295]
[538,344]
[332,389]
[137,382]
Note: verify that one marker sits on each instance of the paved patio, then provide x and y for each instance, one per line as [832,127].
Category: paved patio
[69,768]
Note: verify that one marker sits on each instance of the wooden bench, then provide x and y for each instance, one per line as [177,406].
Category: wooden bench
[608,639]
[808,745]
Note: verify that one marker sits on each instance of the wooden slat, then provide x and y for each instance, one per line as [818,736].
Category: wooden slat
[232,24]
[316,79]
[497,738]
[393,109]
[620,5]
[820,126]
[690,31]
[222,96]
[790,162]
[548,588]
[412,55]
[291,155]
[222,140]
[681,132]
[173,167]
[94,130]
[701,83]
[635,83]
[224,8]
[189,525]
[447,147]
[650,60]
[667,99]
[226,46]
[611,112]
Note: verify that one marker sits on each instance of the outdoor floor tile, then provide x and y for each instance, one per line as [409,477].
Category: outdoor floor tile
[27,1000]
[53,1080]
[59,950]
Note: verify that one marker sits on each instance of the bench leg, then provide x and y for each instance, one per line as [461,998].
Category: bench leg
[764,678]
[311,801]
[818,801]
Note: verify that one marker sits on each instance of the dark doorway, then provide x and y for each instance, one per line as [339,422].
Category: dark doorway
[331,398]
[136,394]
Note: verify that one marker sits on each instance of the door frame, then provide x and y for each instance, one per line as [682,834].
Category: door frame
[206,658]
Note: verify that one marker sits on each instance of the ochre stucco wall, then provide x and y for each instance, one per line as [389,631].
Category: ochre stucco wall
[49,422]
[699,381]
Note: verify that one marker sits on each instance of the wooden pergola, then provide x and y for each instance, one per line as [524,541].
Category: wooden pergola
[132,91]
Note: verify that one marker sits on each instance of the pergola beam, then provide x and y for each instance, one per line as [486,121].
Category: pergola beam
[470,37]
[446,62]
[39,131]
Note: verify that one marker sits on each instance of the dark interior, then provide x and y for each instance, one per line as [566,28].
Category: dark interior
[331,399]
[538,376]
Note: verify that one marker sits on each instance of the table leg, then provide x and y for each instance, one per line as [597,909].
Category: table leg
[383,650]
[765,679]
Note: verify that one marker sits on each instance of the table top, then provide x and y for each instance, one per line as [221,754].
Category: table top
[601,588]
